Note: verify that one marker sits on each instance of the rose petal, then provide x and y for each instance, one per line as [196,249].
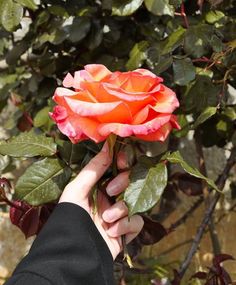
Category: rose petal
[148,113]
[97,71]
[130,81]
[174,122]
[68,81]
[104,92]
[59,114]
[167,101]
[139,83]
[79,77]
[125,130]
[61,93]
[141,116]
[83,108]
[160,135]
[146,72]
[90,129]
[67,123]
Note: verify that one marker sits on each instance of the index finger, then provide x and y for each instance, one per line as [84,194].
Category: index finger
[92,172]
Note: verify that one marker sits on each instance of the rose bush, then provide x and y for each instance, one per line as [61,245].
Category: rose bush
[123,103]
[191,45]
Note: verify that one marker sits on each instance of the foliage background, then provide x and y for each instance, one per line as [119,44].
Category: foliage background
[191,44]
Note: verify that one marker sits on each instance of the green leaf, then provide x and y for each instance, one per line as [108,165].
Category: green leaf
[145,188]
[79,29]
[164,63]
[184,126]
[10,15]
[205,115]
[202,94]
[58,10]
[214,16]
[125,7]
[137,55]
[184,71]
[160,7]
[42,182]
[95,36]
[175,157]
[71,153]
[216,43]
[14,54]
[28,4]
[42,117]
[197,40]
[173,41]
[28,145]
[230,113]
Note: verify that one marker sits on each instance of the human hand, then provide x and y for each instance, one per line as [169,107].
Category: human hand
[111,220]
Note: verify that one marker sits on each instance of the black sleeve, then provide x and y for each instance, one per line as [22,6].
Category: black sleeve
[69,250]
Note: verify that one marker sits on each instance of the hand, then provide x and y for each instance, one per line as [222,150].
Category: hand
[111,220]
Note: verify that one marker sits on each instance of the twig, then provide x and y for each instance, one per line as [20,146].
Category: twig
[220,183]
[183,14]
[203,170]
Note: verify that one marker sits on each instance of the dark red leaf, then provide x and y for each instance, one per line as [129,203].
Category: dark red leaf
[200,275]
[5,187]
[46,211]
[18,211]
[177,278]
[225,277]
[29,222]
[28,218]
[24,123]
[152,232]
[221,258]
[5,183]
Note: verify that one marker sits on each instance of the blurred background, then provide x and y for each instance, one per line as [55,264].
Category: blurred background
[192,45]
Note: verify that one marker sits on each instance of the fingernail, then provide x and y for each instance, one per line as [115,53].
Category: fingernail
[107,216]
[111,189]
[122,161]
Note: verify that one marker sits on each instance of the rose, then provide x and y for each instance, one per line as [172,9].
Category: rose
[101,102]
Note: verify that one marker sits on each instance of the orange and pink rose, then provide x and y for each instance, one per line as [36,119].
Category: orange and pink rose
[97,102]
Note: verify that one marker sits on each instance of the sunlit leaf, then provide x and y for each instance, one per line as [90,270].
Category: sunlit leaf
[205,115]
[160,7]
[10,14]
[145,188]
[42,182]
[125,7]
[214,16]
[28,4]
[173,41]
[137,55]
[28,144]
[184,71]
[175,157]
